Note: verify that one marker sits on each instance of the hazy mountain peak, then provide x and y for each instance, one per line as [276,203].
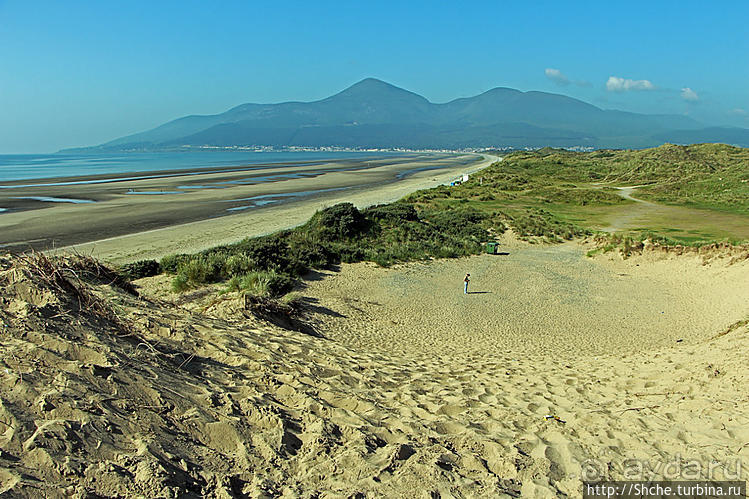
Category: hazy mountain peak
[502,90]
[372,88]
[372,82]
[369,84]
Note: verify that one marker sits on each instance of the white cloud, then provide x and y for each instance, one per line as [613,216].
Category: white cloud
[617,84]
[689,95]
[557,76]
[738,111]
[561,79]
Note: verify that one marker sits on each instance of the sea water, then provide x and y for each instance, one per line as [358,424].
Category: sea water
[44,166]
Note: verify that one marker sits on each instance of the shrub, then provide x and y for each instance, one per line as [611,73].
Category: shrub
[268,284]
[170,263]
[266,253]
[343,220]
[351,254]
[140,269]
[462,222]
[392,213]
[306,253]
[180,283]
[238,264]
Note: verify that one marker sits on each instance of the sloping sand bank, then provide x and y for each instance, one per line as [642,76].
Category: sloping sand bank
[642,358]
[415,390]
[535,300]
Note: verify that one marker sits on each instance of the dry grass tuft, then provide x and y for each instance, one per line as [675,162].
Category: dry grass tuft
[67,277]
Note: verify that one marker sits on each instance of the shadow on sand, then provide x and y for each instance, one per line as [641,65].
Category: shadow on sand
[312,305]
[315,275]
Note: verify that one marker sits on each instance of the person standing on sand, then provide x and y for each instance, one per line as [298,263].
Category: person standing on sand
[465,283]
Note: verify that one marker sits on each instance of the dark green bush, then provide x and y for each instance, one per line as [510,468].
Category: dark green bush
[140,269]
[266,253]
[462,222]
[351,254]
[392,213]
[384,234]
[310,253]
[170,263]
[343,220]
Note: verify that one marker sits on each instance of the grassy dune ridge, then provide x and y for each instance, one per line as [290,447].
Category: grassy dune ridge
[712,176]
[384,234]
[701,191]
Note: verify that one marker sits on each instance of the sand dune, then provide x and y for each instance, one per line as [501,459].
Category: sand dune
[535,299]
[624,352]
[413,390]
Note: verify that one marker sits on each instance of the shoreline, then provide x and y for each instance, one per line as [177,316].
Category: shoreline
[380,186]
[22,168]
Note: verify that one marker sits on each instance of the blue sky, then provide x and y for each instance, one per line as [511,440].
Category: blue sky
[80,73]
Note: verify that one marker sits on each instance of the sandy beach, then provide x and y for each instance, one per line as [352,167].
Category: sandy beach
[172,220]
[556,368]
[533,299]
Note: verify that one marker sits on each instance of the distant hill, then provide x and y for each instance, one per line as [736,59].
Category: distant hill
[726,135]
[373,113]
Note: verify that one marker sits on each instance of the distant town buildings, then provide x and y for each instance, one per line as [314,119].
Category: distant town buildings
[263,148]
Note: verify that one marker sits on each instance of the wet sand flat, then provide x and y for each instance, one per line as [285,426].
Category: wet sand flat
[132,204]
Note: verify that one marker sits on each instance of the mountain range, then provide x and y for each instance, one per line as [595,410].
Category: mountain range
[373,113]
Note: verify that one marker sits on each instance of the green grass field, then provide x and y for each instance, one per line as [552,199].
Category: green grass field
[694,194]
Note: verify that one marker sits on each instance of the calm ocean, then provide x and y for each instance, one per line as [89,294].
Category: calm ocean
[37,166]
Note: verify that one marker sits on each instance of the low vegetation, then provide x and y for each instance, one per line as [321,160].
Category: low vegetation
[553,186]
[385,234]
[140,269]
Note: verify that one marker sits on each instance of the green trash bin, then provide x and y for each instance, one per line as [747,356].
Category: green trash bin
[492,248]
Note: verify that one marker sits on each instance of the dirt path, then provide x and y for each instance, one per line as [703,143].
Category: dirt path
[625,218]
[626,193]
[681,221]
